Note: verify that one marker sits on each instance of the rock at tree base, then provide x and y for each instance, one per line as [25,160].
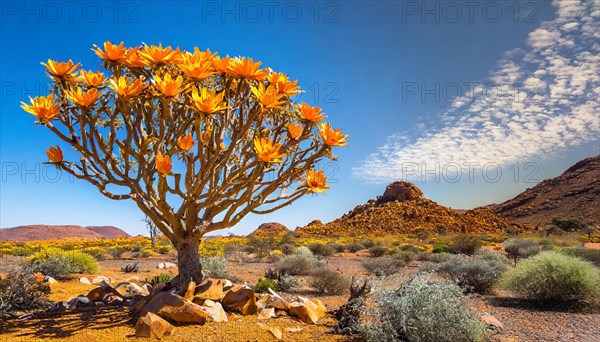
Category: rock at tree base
[240,298]
[189,292]
[266,313]
[210,288]
[85,280]
[307,310]
[172,306]
[214,310]
[153,326]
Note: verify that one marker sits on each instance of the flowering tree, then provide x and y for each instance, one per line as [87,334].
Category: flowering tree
[196,140]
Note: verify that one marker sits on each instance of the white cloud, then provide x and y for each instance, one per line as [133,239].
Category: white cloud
[543,98]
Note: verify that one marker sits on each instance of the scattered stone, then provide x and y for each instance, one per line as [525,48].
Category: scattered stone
[172,306]
[131,268]
[85,280]
[78,302]
[132,289]
[210,288]
[240,298]
[277,302]
[153,326]
[492,321]
[303,312]
[266,313]
[307,310]
[293,329]
[214,310]
[166,265]
[273,330]
[102,292]
[100,279]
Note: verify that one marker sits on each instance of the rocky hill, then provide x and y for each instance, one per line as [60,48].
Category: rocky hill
[48,232]
[270,229]
[574,194]
[402,209]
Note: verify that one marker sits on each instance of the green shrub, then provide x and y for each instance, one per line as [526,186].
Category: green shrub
[367,242]
[588,254]
[287,283]
[321,249]
[117,252]
[136,248]
[328,281]
[439,248]
[287,249]
[143,253]
[20,292]
[301,263]
[465,244]
[470,273]
[215,267]
[336,246]
[377,251]
[265,284]
[405,256]
[421,311]
[60,264]
[554,278]
[164,249]
[440,257]
[382,266]
[409,248]
[96,252]
[520,249]
[568,225]
[485,254]
[161,278]
[353,247]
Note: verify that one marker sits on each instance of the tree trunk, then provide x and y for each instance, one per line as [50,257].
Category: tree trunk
[188,261]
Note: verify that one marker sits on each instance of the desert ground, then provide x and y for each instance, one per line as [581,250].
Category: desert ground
[521,321]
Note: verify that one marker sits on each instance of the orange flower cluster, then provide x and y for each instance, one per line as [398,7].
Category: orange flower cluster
[267,151]
[55,154]
[163,164]
[186,142]
[315,181]
[43,107]
[204,83]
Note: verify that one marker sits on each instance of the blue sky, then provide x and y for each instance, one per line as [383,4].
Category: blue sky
[391,74]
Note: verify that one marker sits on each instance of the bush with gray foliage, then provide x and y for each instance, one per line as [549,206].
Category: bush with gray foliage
[421,311]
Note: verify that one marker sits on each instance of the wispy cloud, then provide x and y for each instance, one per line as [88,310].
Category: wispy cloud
[544,98]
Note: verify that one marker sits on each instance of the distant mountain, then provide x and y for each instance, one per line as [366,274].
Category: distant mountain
[49,232]
[109,232]
[574,194]
[402,209]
